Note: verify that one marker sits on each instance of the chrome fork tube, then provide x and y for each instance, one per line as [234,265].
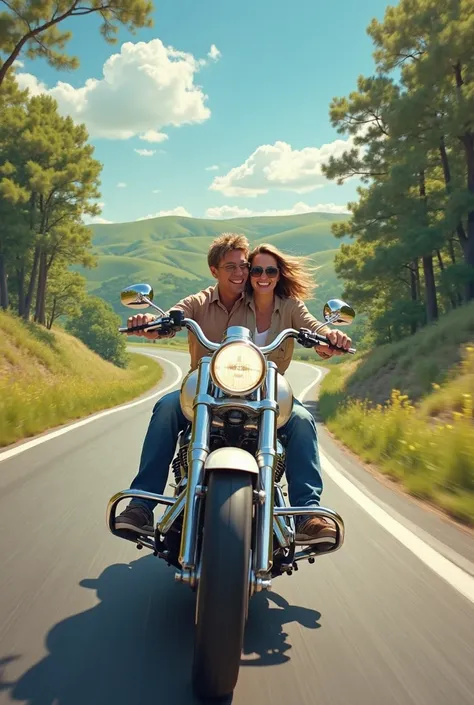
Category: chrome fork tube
[266,457]
[283,533]
[197,453]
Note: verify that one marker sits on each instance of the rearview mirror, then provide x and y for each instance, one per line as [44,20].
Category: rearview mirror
[137,296]
[337,311]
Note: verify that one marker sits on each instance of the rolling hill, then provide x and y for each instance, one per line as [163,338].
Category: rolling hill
[170,253]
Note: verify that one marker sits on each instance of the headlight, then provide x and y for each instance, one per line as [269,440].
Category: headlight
[238,368]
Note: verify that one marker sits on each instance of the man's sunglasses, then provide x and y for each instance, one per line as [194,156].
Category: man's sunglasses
[258,271]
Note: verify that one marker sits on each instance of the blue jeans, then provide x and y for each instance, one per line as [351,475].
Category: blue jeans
[303,473]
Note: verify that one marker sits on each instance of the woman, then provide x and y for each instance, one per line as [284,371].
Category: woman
[276,290]
[276,286]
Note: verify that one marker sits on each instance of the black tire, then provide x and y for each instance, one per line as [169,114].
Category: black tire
[223,591]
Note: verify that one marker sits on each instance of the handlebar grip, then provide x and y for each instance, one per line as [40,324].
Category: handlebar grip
[307,339]
[322,339]
[164,325]
[145,326]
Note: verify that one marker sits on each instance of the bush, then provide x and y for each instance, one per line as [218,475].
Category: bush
[97,326]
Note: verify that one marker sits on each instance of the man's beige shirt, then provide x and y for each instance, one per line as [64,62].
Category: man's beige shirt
[206,308]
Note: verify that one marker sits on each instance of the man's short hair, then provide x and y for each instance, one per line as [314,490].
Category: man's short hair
[226,243]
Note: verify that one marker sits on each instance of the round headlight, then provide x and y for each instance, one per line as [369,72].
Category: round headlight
[238,368]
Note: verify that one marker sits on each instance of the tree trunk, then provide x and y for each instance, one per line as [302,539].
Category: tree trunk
[41,291]
[440,260]
[461,232]
[413,291]
[467,140]
[53,315]
[431,302]
[20,274]
[4,301]
[452,253]
[451,296]
[468,244]
[32,284]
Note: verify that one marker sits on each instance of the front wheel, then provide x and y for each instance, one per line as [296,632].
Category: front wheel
[223,590]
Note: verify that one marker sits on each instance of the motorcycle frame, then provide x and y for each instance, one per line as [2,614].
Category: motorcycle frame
[269,520]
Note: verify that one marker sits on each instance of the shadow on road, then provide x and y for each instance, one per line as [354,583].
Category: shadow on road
[265,639]
[135,646]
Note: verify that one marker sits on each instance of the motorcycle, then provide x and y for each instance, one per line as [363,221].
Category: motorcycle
[227,528]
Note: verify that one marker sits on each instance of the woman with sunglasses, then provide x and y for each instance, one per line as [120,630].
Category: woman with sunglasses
[276,287]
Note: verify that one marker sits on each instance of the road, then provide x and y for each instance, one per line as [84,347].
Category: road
[86,619]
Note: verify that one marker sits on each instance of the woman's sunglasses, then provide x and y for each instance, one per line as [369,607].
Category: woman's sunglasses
[258,271]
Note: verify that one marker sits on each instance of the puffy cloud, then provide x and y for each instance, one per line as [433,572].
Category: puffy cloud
[121,184]
[280,167]
[27,80]
[97,220]
[179,210]
[214,53]
[214,167]
[144,88]
[145,152]
[154,136]
[221,212]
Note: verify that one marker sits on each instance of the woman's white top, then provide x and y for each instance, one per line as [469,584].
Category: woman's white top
[260,338]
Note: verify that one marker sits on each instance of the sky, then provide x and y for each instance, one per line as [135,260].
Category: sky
[220,110]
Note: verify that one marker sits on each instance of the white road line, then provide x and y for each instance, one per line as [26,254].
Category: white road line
[444,568]
[54,434]
[319,374]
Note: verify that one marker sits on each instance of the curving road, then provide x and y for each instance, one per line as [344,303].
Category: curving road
[86,619]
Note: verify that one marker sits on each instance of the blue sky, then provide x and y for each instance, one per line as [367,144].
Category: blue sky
[269,81]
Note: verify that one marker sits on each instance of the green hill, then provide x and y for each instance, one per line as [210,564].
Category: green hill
[170,253]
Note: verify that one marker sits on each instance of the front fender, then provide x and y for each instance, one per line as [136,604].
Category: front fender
[231,459]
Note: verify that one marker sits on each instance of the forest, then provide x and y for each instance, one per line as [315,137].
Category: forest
[411,122]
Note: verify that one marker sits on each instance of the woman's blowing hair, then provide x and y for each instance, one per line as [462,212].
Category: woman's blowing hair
[296,274]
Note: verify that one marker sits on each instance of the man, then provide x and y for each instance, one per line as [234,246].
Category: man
[215,309]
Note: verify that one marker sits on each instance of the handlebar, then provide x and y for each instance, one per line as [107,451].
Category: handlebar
[175,321]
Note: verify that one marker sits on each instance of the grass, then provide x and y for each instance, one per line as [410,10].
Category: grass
[48,378]
[409,409]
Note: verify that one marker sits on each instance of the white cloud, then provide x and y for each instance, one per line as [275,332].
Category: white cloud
[143,88]
[145,152]
[179,210]
[214,167]
[121,184]
[222,212]
[97,220]
[154,136]
[280,167]
[156,190]
[27,80]
[214,53]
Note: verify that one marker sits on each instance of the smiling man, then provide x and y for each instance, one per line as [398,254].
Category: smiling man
[215,309]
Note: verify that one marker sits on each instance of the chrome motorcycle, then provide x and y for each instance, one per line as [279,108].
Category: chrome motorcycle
[227,528]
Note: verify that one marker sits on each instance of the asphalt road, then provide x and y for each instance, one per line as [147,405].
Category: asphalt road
[86,619]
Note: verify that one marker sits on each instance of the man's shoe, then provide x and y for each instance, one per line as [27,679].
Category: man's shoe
[138,519]
[315,530]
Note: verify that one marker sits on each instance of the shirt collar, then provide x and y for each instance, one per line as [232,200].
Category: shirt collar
[215,295]
[249,301]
